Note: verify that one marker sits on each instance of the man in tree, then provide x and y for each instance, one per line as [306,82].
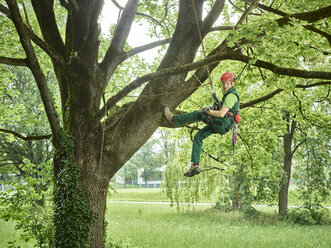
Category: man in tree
[219,119]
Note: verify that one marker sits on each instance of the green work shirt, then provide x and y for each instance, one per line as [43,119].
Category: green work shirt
[230,100]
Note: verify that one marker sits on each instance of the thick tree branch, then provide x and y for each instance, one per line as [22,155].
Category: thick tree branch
[31,137]
[48,26]
[143,79]
[120,35]
[73,4]
[34,66]
[209,60]
[275,92]
[281,70]
[212,16]
[12,61]
[311,16]
[4,10]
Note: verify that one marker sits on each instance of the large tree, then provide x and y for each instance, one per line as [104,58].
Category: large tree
[94,142]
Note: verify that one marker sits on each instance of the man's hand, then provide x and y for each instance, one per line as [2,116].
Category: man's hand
[205,109]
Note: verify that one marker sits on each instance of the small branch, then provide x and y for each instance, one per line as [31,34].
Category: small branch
[146,47]
[246,13]
[235,6]
[44,46]
[241,10]
[26,14]
[222,28]
[302,114]
[36,39]
[211,168]
[137,13]
[297,146]
[12,61]
[31,137]
[275,92]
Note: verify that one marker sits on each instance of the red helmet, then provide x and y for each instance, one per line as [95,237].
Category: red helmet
[228,76]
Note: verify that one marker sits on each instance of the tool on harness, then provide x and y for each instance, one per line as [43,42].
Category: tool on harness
[234,135]
[233,116]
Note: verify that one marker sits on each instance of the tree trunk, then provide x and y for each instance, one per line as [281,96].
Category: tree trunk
[288,139]
[283,193]
[81,193]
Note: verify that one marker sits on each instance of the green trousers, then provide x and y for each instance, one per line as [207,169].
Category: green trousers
[218,125]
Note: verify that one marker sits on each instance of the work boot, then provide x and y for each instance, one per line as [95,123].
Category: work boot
[193,170]
[167,113]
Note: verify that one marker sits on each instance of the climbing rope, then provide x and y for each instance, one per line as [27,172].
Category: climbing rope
[202,45]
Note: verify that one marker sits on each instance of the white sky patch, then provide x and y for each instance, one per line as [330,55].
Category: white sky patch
[138,33]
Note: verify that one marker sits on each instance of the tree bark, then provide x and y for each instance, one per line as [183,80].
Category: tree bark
[287,141]
[283,193]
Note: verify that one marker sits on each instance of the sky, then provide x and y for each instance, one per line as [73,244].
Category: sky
[137,35]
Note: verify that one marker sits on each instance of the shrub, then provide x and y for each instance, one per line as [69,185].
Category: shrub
[28,204]
[307,215]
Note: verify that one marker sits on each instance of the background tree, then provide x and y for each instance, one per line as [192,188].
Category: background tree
[93,143]
[22,111]
[27,200]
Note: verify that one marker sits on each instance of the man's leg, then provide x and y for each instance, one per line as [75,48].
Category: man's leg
[196,150]
[180,120]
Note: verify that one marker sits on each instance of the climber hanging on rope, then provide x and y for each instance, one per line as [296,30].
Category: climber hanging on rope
[220,118]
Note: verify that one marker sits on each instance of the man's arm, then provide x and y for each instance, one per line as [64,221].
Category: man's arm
[229,102]
[219,113]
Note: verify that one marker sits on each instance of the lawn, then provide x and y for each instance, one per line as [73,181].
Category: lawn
[9,234]
[155,225]
[158,225]
[157,195]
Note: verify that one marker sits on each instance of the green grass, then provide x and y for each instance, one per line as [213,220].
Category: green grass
[139,225]
[143,194]
[156,194]
[157,225]
[9,234]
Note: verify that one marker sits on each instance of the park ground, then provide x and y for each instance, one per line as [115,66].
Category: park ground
[159,225]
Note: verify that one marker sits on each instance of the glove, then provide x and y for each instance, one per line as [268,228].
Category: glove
[205,109]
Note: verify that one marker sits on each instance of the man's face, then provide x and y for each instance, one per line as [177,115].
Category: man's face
[226,85]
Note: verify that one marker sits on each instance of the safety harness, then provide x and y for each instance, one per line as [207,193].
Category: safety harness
[232,114]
